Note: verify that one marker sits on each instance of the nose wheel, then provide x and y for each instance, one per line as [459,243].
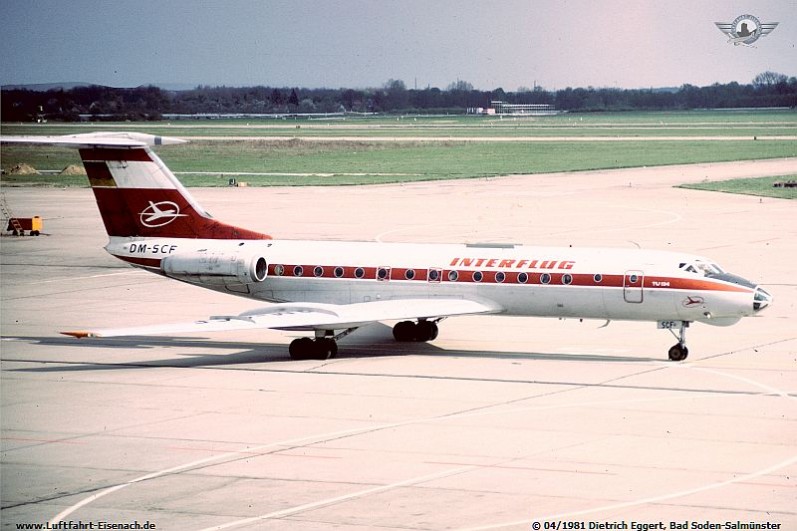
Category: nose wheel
[678,352]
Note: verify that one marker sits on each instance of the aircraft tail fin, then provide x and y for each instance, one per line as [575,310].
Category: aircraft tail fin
[136,193]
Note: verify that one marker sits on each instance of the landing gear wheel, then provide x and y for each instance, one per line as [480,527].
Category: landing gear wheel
[301,348]
[305,348]
[420,331]
[426,331]
[678,352]
[325,349]
[404,331]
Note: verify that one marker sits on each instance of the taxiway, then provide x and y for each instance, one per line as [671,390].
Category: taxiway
[498,423]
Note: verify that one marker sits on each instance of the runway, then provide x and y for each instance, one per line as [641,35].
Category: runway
[499,423]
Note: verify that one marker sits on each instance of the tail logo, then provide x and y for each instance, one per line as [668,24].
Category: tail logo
[160,214]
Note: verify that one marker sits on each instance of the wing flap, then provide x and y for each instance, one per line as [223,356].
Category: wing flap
[310,316]
[213,324]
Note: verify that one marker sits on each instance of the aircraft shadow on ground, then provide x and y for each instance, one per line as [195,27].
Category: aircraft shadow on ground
[377,342]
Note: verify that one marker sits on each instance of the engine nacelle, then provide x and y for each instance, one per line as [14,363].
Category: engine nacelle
[216,268]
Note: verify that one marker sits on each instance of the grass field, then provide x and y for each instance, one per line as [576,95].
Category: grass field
[762,186]
[693,123]
[379,150]
[205,163]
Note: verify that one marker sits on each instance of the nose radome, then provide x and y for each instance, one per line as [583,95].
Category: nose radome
[761,299]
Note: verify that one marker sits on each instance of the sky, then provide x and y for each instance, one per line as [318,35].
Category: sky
[364,43]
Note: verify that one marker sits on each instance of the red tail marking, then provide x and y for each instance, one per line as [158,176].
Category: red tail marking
[148,201]
[125,210]
[106,154]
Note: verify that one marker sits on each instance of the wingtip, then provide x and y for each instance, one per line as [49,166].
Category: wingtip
[80,334]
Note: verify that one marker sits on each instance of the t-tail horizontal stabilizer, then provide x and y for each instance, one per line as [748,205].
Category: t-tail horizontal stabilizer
[100,139]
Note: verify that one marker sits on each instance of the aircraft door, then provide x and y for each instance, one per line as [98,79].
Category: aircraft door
[632,286]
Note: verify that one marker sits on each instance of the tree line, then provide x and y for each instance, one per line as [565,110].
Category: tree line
[768,89]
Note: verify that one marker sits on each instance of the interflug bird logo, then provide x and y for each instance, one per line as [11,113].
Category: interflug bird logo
[160,214]
[745,30]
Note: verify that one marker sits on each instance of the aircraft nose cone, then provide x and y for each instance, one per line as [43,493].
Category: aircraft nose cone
[761,299]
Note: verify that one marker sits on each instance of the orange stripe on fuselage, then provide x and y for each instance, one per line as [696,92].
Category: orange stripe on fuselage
[698,284]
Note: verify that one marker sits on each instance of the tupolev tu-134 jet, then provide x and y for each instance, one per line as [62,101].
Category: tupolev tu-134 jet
[330,288]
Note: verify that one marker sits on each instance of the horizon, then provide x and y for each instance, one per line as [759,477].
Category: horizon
[68,85]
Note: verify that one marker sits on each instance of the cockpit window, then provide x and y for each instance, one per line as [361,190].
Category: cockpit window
[700,267]
[688,267]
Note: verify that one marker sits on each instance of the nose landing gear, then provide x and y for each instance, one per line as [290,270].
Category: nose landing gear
[677,352]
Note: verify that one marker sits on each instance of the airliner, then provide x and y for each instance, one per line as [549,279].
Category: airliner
[328,289]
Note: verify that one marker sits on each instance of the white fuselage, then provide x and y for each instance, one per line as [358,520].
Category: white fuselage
[591,283]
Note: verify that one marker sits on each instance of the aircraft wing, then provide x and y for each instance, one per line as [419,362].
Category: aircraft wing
[311,316]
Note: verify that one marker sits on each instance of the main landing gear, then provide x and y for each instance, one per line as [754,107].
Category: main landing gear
[679,352]
[421,331]
[325,345]
[320,348]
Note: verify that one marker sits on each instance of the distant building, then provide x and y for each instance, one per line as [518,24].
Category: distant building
[502,108]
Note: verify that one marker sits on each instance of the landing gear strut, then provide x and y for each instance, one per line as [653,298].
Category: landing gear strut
[679,352]
[421,331]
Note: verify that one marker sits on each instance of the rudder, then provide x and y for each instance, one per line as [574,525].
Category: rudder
[138,196]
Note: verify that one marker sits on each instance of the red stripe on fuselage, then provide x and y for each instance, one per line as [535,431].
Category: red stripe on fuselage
[467,277]
[146,262]
[510,277]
